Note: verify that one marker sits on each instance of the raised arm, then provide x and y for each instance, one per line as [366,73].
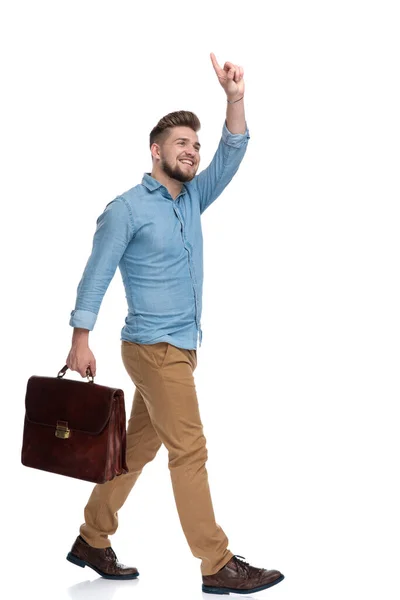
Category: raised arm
[233,144]
[231,80]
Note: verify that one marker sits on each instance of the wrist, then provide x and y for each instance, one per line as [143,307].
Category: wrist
[80,336]
[233,99]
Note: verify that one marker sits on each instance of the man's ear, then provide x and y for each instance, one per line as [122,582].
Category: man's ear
[155,150]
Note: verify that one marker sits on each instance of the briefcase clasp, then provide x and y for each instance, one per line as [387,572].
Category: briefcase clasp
[62,430]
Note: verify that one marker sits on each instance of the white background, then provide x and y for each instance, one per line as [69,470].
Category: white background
[298,373]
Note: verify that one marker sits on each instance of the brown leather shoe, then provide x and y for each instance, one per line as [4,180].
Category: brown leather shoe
[101,560]
[239,577]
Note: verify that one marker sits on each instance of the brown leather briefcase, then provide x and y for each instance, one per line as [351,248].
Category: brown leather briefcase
[74,428]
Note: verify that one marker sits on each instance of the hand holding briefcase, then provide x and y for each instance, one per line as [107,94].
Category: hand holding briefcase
[74,428]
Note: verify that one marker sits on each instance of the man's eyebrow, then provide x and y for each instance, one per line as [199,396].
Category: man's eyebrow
[188,140]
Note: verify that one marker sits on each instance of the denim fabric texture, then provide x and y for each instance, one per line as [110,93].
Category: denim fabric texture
[157,244]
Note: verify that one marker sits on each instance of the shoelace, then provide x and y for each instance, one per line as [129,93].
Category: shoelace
[244,567]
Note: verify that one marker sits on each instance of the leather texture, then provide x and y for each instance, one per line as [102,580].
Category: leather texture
[240,577]
[94,448]
[102,560]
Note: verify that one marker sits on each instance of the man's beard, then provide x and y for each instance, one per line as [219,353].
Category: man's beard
[176,173]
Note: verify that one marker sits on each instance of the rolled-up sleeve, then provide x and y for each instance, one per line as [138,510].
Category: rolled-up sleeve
[212,181]
[114,231]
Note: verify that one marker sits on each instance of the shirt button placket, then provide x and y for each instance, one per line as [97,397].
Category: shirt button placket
[191,268]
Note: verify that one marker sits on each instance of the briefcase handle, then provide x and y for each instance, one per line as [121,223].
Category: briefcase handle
[62,372]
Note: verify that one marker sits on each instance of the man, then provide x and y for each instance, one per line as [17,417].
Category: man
[153,233]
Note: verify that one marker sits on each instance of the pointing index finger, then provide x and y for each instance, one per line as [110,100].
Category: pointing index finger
[215,63]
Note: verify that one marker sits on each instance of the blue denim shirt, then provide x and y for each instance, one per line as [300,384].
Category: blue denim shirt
[157,244]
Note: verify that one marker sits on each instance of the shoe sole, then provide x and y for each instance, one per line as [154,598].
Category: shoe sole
[82,563]
[218,590]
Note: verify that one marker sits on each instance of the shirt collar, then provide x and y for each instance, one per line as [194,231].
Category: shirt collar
[152,184]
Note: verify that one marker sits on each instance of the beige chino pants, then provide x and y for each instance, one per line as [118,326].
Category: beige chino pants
[165,411]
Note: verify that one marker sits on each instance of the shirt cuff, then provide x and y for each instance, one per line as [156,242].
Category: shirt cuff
[234,139]
[84,319]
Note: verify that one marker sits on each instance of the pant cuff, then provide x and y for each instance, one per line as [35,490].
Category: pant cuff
[226,558]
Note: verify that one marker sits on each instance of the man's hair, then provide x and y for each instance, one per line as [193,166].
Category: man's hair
[180,118]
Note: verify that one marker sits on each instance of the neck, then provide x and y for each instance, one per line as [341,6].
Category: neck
[173,185]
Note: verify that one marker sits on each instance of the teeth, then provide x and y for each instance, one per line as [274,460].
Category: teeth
[187,162]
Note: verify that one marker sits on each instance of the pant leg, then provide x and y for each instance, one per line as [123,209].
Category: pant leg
[142,444]
[163,374]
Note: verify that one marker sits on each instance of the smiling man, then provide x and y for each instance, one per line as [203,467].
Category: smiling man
[153,234]
[184,144]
